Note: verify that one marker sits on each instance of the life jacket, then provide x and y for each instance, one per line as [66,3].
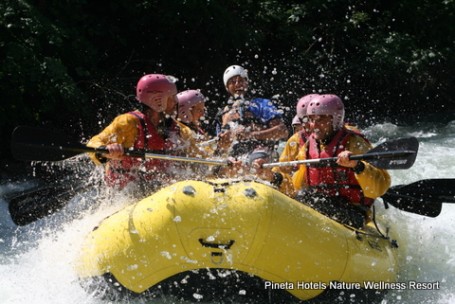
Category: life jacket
[303,137]
[334,180]
[121,172]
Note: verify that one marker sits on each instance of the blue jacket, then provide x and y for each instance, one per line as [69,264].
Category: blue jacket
[263,111]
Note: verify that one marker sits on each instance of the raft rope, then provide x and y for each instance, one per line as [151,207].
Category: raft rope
[363,232]
[376,225]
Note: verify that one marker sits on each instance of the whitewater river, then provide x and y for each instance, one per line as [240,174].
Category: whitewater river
[36,261]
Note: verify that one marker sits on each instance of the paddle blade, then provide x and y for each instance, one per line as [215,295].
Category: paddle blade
[32,205]
[394,154]
[424,197]
[33,143]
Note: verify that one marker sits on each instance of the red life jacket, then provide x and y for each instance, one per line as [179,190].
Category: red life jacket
[121,172]
[303,136]
[334,180]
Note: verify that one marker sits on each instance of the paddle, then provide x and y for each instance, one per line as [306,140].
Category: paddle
[424,197]
[30,206]
[38,144]
[54,184]
[395,154]
[208,142]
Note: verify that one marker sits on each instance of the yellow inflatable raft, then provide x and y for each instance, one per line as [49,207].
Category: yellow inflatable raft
[243,226]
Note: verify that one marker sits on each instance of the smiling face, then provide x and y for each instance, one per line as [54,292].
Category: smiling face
[321,126]
[237,85]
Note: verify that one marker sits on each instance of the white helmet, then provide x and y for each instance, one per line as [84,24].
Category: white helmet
[234,70]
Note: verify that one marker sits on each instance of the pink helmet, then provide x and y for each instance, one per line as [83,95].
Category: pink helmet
[186,100]
[296,121]
[302,105]
[153,90]
[328,104]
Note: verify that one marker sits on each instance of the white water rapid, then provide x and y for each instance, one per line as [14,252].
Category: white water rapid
[36,261]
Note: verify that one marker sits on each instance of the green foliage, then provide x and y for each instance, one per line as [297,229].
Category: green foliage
[36,82]
[74,63]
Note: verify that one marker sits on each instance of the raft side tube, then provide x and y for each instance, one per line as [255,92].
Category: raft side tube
[243,226]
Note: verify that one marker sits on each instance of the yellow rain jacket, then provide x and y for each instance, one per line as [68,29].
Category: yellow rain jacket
[373,181]
[124,130]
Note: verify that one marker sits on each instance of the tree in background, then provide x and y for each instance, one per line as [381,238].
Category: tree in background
[73,64]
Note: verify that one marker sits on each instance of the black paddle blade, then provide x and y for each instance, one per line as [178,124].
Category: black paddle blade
[32,143]
[32,205]
[424,197]
[394,154]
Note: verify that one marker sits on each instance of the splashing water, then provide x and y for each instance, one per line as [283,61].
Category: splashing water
[36,261]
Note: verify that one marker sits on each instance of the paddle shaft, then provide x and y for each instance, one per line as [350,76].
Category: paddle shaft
[29,143]
[38,144]
[368,156]
[208,142]
[146,154]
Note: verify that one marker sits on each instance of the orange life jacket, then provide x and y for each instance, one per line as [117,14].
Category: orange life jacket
[334,180]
